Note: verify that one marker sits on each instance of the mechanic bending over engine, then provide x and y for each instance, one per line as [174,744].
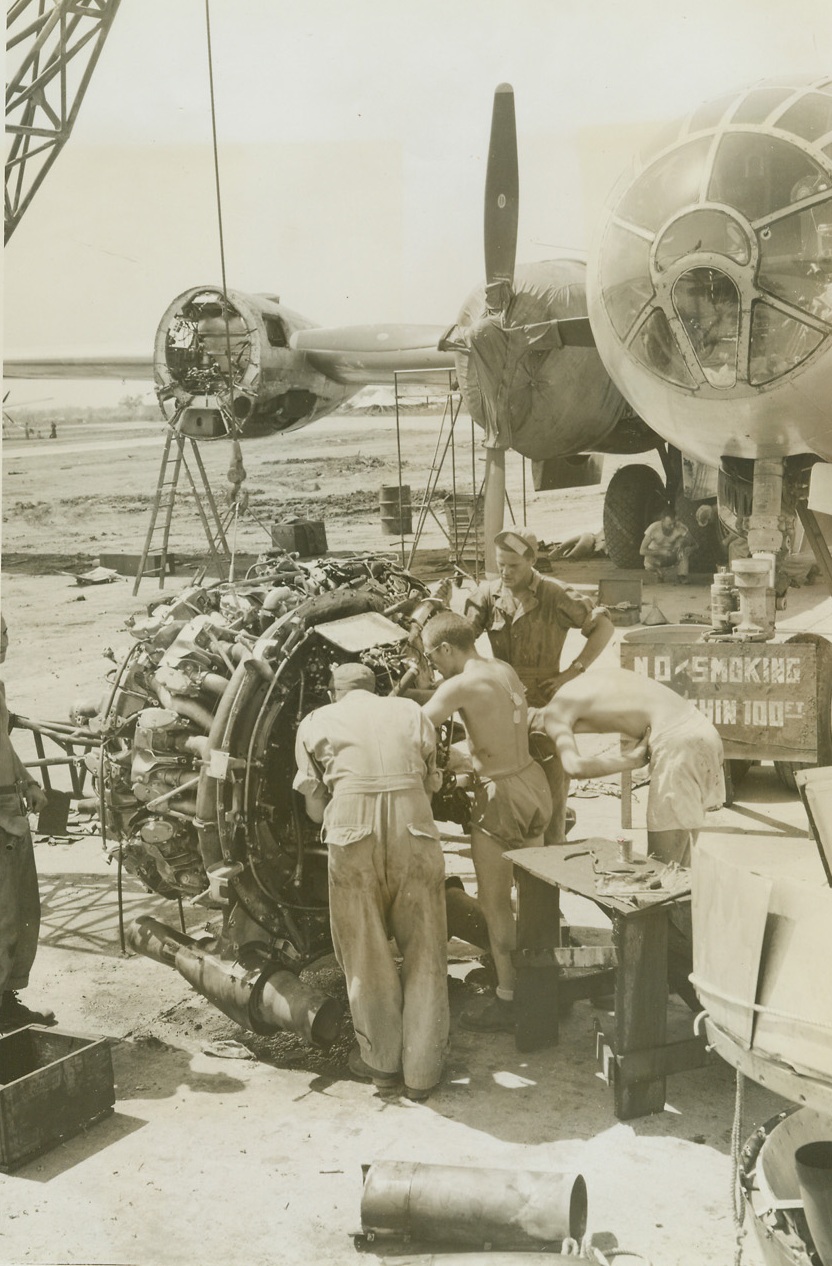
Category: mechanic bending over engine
[367,770]
[527,617]
[19,896]
[511,796]
[683,747]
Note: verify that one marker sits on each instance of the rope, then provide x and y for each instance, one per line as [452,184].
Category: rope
[737,1202]
[704,986]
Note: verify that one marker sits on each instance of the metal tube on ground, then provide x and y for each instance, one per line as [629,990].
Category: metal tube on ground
[487,1258]
[462,1205]
[254,991]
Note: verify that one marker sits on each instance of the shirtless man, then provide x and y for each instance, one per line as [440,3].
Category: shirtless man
[512,803]
[19,897]
[684,750]
[666,549]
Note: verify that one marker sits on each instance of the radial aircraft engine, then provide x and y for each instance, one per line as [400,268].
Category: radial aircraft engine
[710,299]
[197,762]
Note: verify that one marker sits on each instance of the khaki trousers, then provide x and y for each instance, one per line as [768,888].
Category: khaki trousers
[390,883]
[19,910]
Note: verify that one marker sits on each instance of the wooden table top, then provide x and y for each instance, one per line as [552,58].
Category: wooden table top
[587,866]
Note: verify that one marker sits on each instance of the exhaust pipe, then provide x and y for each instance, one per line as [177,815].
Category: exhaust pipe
[253,990]
[506,1209]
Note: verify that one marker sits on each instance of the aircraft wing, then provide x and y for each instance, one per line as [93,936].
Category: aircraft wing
[72,366]
[366,354]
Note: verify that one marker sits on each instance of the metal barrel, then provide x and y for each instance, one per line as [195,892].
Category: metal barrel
[396,511]
[463,1205]
[813,1162]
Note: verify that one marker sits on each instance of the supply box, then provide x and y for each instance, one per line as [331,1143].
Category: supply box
[52,1085]
[622,598]
[305,537]
[128,564]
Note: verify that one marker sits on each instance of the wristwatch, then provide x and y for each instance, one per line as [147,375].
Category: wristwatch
[577,666]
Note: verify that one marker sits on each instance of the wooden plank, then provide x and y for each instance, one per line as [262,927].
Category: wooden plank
[538,935]
[587,956]
[627,799]
[730,912]
[660,1061]
[640,1005]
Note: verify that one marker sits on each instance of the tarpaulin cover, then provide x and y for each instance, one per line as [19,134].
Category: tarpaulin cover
[522,386]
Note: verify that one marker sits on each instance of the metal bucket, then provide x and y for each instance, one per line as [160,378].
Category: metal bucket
[396,512]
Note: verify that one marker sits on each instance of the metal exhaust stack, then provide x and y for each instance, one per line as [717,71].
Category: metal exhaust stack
[506,1209]
[253,990]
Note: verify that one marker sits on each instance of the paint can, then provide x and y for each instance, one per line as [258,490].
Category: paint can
[722,601]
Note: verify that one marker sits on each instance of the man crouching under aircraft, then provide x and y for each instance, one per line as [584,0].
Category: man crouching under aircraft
[684,749]
[512,803]
[367,768]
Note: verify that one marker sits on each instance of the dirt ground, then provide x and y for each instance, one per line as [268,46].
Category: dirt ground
[256,1159]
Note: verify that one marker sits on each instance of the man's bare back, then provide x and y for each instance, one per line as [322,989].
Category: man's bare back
[489,697]
[616,700]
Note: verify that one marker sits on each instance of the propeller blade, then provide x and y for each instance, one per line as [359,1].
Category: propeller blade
[494,499]
[502,192]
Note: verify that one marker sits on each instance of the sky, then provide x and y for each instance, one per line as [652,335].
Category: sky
[352,147]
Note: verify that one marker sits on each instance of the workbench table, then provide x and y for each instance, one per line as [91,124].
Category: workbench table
[637,1058]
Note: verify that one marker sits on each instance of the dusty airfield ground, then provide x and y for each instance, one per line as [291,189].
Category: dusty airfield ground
[249,1162]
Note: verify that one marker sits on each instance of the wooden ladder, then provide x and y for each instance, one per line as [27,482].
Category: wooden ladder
[174,462]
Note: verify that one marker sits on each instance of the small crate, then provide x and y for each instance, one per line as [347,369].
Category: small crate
[622,598]
[128,564]
[52,1085]
[306,538]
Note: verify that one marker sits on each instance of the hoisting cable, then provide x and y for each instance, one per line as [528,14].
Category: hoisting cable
[236,470]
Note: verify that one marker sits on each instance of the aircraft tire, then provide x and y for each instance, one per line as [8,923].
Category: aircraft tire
[786,769]
[635,498]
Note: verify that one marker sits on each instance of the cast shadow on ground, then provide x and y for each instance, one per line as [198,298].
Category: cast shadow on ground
[558,1093]
[80,912]
[147,1068]
[95,1138]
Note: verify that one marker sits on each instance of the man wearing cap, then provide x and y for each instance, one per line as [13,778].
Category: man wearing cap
[367,768]
[19,895]
[527,616]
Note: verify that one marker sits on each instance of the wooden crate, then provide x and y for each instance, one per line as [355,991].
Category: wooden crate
[52,1085]
[128,564]
[622,598]
[306,537]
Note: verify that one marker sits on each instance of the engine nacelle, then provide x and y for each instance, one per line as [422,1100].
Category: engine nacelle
[223,363]
[710,286]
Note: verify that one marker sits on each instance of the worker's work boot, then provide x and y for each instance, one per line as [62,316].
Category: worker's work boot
[14,1015]
[362,1070]
[496,1016]
[416,1095]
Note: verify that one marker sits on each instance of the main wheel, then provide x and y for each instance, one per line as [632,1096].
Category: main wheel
[786,768]
[635,498]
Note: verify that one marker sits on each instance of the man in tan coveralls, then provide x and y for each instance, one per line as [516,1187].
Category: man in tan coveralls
[367,768]
[511,797]
[527,617]
[19,896]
